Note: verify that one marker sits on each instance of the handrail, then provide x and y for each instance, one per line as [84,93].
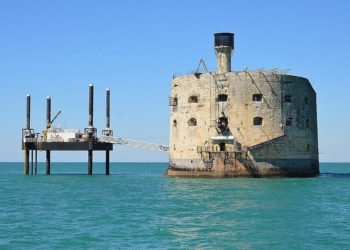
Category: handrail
[267,142]
[216,148]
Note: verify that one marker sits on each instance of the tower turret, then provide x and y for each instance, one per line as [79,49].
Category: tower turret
[224,45]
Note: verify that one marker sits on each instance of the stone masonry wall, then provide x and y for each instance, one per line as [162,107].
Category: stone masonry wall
[282,97]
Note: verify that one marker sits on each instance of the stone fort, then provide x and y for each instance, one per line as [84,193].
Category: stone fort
[242,123]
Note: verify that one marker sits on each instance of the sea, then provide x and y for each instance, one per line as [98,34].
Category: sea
[136,207]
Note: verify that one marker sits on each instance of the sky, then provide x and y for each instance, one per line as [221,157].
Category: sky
[58,48]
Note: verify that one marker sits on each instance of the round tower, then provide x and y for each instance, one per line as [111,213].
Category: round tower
[223,44]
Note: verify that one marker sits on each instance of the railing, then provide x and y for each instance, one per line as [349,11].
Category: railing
[30,140]
[193,71]
[54,139]
[267,142]
[261,70]
[217,148]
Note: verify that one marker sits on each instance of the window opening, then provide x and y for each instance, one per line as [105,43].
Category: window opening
[289,122]
[223,40]
[307,123]
[257,121]
[222,98]
[222,146]
[306,101]
[172,101]
[175,123]
[192,122]
[257,97]
[288,98]
[193,99]
[222,122]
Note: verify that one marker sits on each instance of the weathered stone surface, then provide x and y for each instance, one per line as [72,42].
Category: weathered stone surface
[274,148]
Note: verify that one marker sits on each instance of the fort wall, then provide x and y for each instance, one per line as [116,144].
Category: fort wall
[253,123]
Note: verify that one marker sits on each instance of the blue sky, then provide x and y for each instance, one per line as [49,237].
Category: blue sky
[58,48]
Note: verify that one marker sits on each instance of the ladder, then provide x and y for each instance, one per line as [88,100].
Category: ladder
[251,165]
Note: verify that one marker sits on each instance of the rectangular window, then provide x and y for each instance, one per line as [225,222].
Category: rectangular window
[222,98]
[223,40]
[192,122]
[257,121]
[257,97]
[288,98]
[172,101]
[193,99]
[222,146]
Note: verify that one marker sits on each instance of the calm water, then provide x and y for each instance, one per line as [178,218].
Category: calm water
[137,208]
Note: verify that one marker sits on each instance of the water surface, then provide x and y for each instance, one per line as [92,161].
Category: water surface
[137,208]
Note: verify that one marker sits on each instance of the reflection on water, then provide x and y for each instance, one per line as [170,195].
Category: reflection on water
[226,208]
[333,175]
[248,212]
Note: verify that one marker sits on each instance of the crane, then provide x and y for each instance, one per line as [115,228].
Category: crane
[49,125]
[205,66]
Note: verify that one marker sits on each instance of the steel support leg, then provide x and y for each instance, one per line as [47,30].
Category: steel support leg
[48,161]
[90,162]
[107,162]
[26,162]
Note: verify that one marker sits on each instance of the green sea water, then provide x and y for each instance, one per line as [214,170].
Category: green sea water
[137,208]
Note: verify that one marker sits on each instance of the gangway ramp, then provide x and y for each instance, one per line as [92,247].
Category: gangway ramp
[134,143]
